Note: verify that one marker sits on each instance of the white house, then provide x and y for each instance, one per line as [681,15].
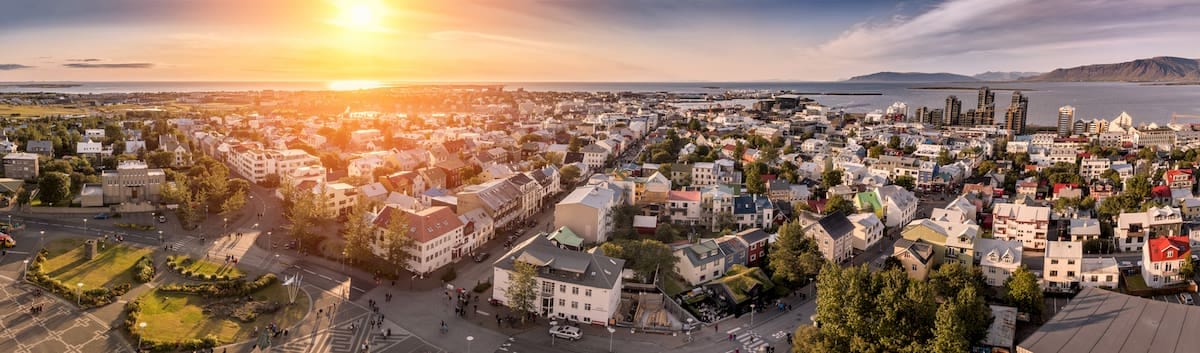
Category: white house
[1099,272]
[1162,258]
[998,259]
[868,229]
[1063,265]
[700,262]
[683,207]
[586,211]
[1134,228]
[437,232]
[1026,224]
[571,285]
[899,205]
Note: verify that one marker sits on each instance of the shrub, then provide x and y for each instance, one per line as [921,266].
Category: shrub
[143,270]
[450,275]
[222,289]
[481,287]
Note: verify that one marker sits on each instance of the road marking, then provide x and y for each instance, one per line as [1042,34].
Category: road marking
[735,329]
[18,252]
[321,275]
[482,313]
[309,271]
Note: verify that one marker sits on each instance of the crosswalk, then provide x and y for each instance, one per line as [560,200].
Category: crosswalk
[178,244]
[748,339]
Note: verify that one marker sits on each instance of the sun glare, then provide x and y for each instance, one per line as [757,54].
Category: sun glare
[354,85]
[360,15]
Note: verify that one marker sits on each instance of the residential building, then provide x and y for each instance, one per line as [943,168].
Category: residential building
[900,205]
[952,242]
[985,111]
[916,257]
[834,236]
[683,207]
[21,165]
[1101,272]
[594,156]
[1179,179]
[133,182]
[751,211]
[436,231]
[1092,167]
[500,199]
[572,285]
[1084,229]
[868,229]
[998,259]
[700,262]
[1162,258]
[40,147]
[1066,120]
[755,240]
[1134,229]
[1014,117]
[1063,266]
[1026,224]
[587,212]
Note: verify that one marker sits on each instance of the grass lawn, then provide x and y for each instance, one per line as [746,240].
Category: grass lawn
[68,263]
[171,317]
[673,285]
[38,110]
[199,266]
[1135,282]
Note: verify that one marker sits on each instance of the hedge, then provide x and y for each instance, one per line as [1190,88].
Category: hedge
[90,298]
[221,289]
[143,270]
[179,264]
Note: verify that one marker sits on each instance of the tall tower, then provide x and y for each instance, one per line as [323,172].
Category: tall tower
[953,111]
[1066,120]
[1014,117]
[985,112]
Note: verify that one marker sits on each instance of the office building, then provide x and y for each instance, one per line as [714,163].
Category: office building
[1066,120]
[953,112]
[1014,117]
[985,111]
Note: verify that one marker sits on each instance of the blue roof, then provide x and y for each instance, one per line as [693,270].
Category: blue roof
[435,192]
[744,205]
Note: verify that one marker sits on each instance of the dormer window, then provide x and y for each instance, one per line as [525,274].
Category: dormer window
[1170,253]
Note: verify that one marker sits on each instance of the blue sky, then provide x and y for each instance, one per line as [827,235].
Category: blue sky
[576,40]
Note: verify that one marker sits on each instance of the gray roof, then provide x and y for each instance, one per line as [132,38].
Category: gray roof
[39,145]
[494,194]
[836,225]
[697,253]
[1102,321]
[591,196]
[753,235]
[582,268]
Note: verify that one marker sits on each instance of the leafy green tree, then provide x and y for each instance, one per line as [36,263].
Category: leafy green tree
[357,231]
[569,174]
[906,182]
[839,204]
[1139,187]
[1024,292]
[754,182]
[397,244]
[1187,270]
[949,335]
[944,158]
[646,257]
[973,313]
[793,257]
[875,151]
[807,339]
[160,159]
[985,167]
[233,204]
[54,187]
[894,142]
[953,277]
[522,289]
[831,178]
[574,144]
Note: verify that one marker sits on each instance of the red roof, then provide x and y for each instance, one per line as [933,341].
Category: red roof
[1059,186]
[1170,174]
[1177,247]
[1161,191]
[424,225]
[683,195]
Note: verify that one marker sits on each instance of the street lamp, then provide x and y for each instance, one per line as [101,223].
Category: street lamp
[225,226]
[610,335]
[41,239]
[79,296]
[270,239]
[25,264]
[160,237]
[552,325]
[141,329]
[469,339]
[751,314]
[85,225]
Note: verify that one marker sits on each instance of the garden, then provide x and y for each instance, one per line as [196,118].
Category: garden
[204,270]
[63,264]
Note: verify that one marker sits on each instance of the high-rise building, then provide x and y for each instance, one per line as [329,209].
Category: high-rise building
[985,112]
[1066,120]
[1014,117]
[953,111]
[921,116]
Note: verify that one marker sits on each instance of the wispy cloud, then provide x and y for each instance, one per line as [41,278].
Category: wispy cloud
[85,60]
[8,67]
[109,66]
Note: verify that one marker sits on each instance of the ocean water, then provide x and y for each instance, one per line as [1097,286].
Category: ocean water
[1146,103]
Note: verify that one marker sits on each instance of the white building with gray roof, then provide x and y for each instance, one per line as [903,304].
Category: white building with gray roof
[572,285]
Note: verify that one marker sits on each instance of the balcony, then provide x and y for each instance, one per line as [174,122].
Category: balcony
[547,293]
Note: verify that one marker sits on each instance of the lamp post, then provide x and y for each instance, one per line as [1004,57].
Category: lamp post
[225,225]
[79,295]
[469,339]
[141,329]
[276,259]
[25,264]
[85,225]
[552,325]
[41,239]
[270,239]
[160,238]
[610,335]
[751,314]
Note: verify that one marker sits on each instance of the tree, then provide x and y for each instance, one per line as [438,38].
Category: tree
[985,167]
[54,187]
[575,144]
[831,178]
[875,151]
[794,256]
[1024,292]
[906,182]
[646,257]
[1187,270]
[569,174]
[894,142]
[839,204]
[693,124]
[160,159]
[949,335]
[770,154]
[953,277]
[357,231]
[233,204]
[23,196]
[1139,187]
[397,244]
[665,232]
[754,182]
[943,157]
[522,289]
[554,158]
[973,314]
[807,339]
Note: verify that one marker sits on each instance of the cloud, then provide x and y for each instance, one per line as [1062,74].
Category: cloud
[7,67]
[1020,30]
[109,66]
[85,60]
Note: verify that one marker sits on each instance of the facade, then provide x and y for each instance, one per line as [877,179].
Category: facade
[755,240]
[594,156]
[1066,120]
[952,242]
[868,229]
[133,181]
[1099,273]
[438,233]
[587,212]
[498,198]
[916,257]
[1179,179]
[21,166]
[700,262]
[1014,117]
[1134,229]
[1063,266]
[1162,258]
[998,259]
[1026,224]
[683,207]
[834,236]
[571,285]
[1084,229]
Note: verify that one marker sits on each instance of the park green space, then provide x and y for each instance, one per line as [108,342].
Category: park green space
[68,263]
[176,317]
[208,268]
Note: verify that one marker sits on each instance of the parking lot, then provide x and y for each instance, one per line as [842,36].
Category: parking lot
[1176,298]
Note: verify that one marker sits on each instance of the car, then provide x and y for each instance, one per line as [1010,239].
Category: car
[104,215]
[566,332]
[162,219]
[480,257]
[1186,299]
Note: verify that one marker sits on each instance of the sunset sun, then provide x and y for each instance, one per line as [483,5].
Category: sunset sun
[360,15]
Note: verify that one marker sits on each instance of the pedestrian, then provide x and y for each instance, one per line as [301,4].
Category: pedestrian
[715,329]
[730,338]
[285,332]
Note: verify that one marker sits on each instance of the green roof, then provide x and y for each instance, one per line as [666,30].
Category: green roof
[566,237]
[869,198]
[740,279]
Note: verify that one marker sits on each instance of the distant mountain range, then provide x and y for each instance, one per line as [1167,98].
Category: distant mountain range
[1156,69]
[1004,75]
[912,77]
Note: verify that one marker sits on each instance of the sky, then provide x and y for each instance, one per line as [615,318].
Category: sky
[575,40]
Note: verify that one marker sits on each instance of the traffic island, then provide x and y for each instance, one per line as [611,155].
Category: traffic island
[87,272]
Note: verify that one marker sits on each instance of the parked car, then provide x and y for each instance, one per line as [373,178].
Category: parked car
[480,257]
[566,332]
[1185,298]
[104,215]
[162,219]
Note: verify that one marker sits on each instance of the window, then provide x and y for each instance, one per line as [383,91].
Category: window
[575,290]
[1053,262]
[1070,273]
[587,292]
[587,306]
[914,267]
[574,305]
[562,302]
[1108,278]
[1053,273]
[562,288]
[1070,262]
